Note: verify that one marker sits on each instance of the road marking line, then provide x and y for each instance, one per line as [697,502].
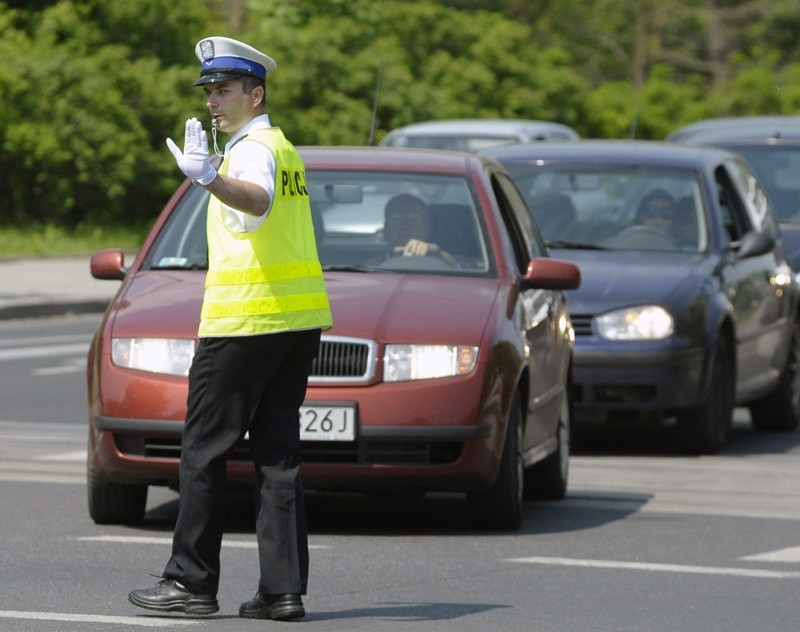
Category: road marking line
[661,568]
[43,352]
[59,370]
[790,555]
[137,539]
[77,456]
[143,621]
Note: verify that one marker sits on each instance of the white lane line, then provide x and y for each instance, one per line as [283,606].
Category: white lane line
[41,341]
[60,370]
[143,621]
[77,456]
[43,352]
[789,555]
[660,568]
[137,539]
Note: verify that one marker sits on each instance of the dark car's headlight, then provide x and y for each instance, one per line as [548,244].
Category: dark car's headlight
[421,362]
[171,356]
[644,322]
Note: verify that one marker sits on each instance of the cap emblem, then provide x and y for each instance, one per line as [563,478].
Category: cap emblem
[207,49]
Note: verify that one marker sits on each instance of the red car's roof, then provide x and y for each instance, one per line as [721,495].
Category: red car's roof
[386,158]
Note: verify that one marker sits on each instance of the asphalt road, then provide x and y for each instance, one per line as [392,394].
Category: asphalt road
[647,540]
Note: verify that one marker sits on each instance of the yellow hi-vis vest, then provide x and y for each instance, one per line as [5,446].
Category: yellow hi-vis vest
[269,280]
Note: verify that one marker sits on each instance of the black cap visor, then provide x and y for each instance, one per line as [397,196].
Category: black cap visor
[220,74]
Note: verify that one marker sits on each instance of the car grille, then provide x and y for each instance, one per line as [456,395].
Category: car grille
[582,324]
[344,359]
[352,452]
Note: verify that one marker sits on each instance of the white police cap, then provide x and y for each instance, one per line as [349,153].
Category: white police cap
[223,58]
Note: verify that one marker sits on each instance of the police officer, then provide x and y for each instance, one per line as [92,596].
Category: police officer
[264,307]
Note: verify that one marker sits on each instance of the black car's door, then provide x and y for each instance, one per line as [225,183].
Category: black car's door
[753,284]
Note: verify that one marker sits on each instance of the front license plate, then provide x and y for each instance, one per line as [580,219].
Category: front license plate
[327,423]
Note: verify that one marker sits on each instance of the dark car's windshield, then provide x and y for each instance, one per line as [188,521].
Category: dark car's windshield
[363,221]
[778,170]
[616,208]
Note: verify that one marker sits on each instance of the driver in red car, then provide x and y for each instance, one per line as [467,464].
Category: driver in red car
[407,228]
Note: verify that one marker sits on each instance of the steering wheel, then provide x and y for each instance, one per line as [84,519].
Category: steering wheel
[642,237]
[421,263]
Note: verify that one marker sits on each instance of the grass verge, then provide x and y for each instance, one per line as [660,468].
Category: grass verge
[47,240]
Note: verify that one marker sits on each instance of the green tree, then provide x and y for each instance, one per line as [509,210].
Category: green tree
[432,61]
[83,114]
[96,86]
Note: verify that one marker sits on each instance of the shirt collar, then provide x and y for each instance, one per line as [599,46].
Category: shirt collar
[259,122]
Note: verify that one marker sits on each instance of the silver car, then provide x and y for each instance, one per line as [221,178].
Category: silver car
[473,135]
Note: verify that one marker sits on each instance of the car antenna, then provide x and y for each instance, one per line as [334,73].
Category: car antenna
[378,73]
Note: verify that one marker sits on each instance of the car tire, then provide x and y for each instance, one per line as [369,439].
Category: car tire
[500,506]
[113,503]
[780,410]
[703,429]
[547,479]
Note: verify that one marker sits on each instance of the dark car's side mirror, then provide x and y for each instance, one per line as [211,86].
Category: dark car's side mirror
[108,265]
[753,244]
[551,274]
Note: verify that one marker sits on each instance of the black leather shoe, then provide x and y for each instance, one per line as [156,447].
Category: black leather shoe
[172,596]
[277,607]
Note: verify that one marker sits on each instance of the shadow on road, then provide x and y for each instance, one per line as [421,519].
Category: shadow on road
[662,441]
[433,514]
[448,514]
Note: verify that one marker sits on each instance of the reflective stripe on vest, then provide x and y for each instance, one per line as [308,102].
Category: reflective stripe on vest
[269,280]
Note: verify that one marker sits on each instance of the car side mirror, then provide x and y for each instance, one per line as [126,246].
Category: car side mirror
[551,274]
[753,244]
[108,265]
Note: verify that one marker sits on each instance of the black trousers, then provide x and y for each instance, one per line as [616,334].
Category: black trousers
[236,385]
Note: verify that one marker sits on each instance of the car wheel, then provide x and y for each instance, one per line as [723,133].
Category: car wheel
[500,506]
[113,503]
[547,479]
[703,429]
[780,409]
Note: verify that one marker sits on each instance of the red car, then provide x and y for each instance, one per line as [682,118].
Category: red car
[447,371]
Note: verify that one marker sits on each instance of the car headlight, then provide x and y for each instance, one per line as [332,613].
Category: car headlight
[422,362]
[171,356]
[646,322]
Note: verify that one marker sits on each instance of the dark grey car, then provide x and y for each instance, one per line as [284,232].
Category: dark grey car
[682,322]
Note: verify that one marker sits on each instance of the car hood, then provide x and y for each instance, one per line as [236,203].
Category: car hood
[160,304]
[380,306]
[611,279]
[400,308]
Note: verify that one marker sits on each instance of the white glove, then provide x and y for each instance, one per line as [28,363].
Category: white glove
[194,160]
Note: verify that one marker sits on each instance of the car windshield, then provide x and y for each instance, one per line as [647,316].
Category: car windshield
[616,208]
[363,221]
[778,170]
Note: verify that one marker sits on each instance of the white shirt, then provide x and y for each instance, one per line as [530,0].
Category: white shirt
[251,162]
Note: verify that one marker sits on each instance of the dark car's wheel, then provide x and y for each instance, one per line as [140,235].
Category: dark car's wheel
[703,429]
[780,410]
[547,479]
[114,503]
[500,506]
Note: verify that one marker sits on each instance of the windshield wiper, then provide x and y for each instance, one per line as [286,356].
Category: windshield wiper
[346,268]
[188,266]
[573,245]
